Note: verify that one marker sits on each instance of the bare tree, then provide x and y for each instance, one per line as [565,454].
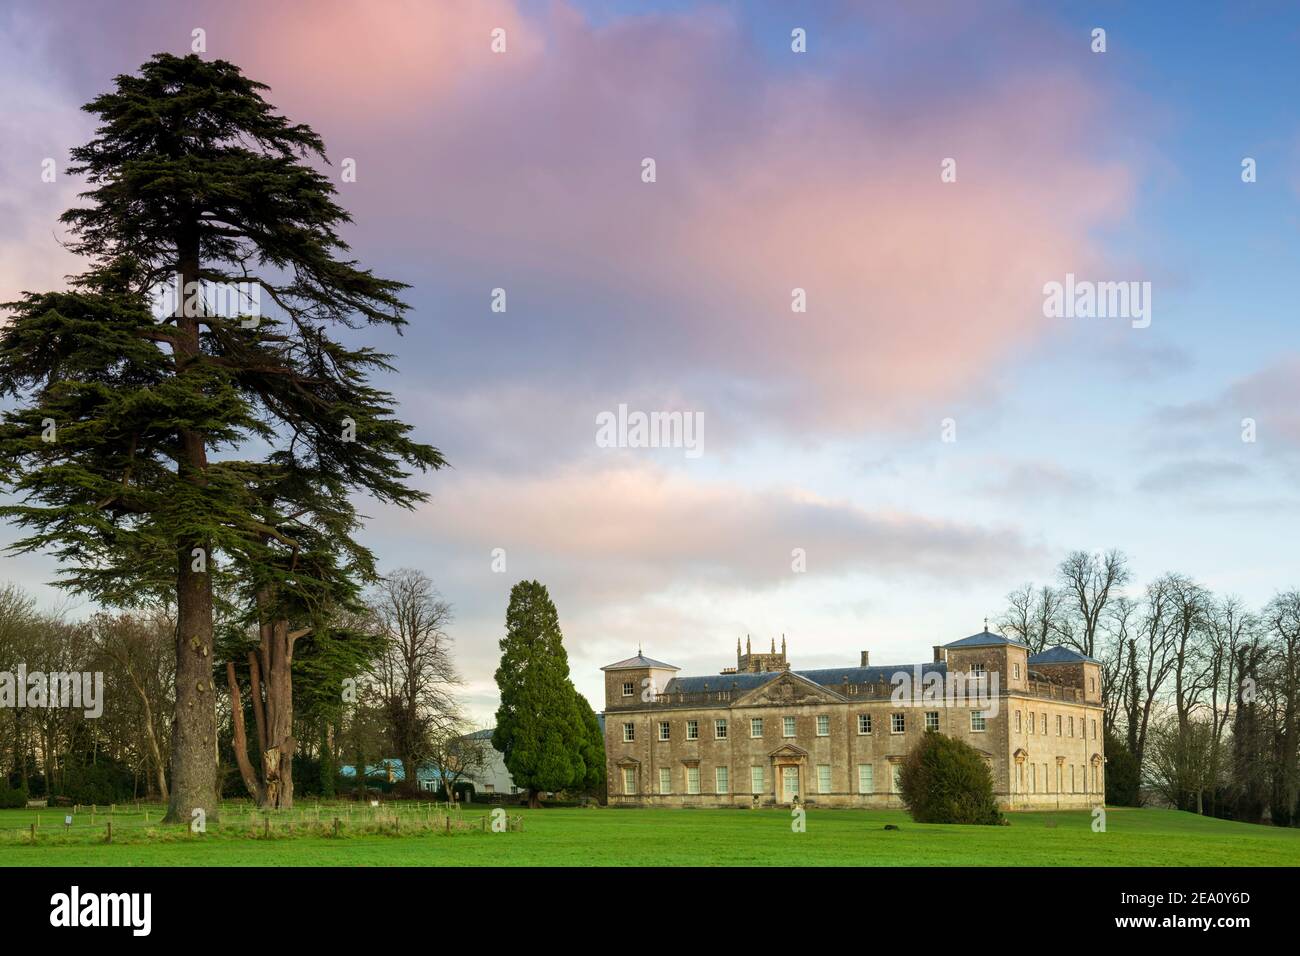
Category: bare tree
[1151,661]
[1190,608]
[415,674]
[456,754]
[139,645]
[1281,619]
[1231,628]
[1089,581]
[1120,622]
[1034,615]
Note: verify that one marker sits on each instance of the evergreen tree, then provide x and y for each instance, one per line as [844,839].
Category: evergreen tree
[593,748]
[539,730]
[122,417]
[1122,778]
[945,780]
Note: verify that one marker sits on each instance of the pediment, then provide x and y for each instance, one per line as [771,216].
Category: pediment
[627,762]
[788,750]
[787,689]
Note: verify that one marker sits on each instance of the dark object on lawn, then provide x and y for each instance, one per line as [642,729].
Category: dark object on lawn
[891,826]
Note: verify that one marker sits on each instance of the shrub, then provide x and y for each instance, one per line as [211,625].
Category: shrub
[1122,778]
[11,798]
[103,782]
[945,780]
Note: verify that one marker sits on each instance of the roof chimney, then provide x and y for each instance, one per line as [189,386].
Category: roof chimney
[938,654]
[866,657]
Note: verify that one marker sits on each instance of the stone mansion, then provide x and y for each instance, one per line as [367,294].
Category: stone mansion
[761,733]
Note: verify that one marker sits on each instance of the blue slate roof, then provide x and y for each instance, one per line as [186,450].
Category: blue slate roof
[395,766]
[1061,655]
[985,639]
[639,661]
[825,676]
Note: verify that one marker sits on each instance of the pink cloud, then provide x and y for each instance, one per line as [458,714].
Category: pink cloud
[523,170]
[627,529]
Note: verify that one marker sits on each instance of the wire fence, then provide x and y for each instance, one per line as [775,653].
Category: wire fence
[59,826]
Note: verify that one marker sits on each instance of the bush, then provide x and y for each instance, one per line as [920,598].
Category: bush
[11,799]
[104,782]
[1122,778]
[945,780]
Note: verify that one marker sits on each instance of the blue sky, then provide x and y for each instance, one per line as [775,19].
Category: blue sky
[779,170]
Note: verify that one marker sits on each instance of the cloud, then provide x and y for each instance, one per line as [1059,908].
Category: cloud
[1269,397]
[522,171]
[635,529]
[40,117]
[1031,480]
[1193,475]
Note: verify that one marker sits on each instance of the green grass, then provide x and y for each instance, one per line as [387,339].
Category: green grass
[585,837]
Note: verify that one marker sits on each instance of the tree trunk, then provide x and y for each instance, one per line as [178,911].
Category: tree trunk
[194,728]
[327,768]
[361,773]
[150,736]
[240,741]
[534,799]
[410,779]
[277,759]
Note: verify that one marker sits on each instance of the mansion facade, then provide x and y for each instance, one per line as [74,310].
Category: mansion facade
[761,734]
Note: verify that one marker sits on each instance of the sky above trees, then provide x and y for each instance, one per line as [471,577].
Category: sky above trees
[824,429]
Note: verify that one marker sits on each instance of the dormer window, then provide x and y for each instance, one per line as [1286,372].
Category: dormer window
[629,688]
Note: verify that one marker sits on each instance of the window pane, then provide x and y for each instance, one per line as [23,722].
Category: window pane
[865,783]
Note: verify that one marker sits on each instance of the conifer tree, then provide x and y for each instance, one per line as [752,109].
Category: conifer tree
[539,730]
[124,442]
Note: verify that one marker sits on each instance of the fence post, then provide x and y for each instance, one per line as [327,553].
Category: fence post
[267,828]
[33,832]
[110,831]
[336,827]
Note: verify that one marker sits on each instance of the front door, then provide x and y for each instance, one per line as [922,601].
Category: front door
[789,783]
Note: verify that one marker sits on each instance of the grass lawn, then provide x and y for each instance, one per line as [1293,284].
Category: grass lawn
[586,837]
